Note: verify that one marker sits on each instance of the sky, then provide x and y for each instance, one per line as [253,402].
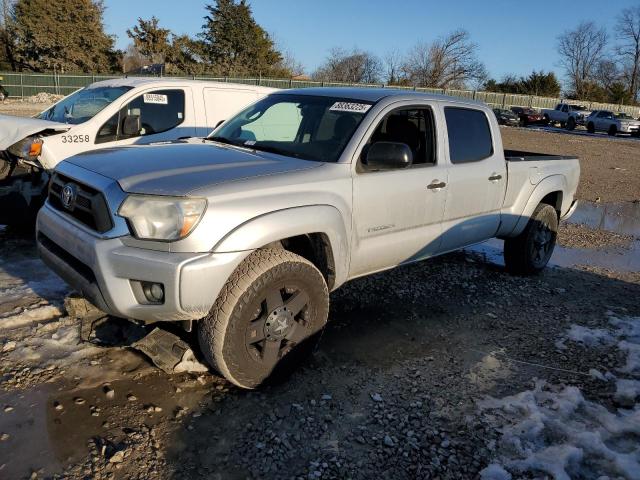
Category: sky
[512,36]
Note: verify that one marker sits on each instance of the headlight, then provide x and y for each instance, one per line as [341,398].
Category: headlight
[29,148]
[162,218]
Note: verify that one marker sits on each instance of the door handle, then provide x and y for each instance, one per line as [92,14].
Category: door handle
[495,177]
[436,185]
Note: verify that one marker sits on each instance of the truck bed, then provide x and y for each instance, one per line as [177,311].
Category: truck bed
[520,156]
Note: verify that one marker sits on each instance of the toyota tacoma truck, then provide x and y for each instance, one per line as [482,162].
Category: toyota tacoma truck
[566,115]
[110,113]
[242,235]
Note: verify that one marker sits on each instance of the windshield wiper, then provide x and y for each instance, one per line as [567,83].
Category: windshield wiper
[276,150]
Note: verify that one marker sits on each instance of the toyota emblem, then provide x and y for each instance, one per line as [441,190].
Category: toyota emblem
[68,196]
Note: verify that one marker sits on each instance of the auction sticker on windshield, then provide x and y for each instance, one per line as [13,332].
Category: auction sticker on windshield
[156,98]
[350,107]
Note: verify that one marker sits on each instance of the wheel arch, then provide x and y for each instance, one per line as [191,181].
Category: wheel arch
[550,191]
[317,233]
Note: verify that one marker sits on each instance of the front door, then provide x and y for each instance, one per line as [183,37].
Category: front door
[397,213]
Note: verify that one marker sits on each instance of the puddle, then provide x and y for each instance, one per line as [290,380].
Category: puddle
[47,439]
[627,260]
[623,218]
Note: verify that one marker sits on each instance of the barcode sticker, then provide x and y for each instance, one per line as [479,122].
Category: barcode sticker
[350,107]
[156,98]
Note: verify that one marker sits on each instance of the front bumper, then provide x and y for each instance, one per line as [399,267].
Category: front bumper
[630,128]
[105,271]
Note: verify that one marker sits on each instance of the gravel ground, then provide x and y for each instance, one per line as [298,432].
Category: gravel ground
[392,392]
[609,167]
[581,236]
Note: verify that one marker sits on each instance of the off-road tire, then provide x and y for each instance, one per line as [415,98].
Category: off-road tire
[520,255]
[571,123]
[612,130]
[223,333]
[591,127]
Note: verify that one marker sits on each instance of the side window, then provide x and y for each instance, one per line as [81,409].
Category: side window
[469,135]
[159,111]
[413,127]
[565,108]
[559,106]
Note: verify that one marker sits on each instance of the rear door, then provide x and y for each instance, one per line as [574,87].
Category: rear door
[477,178]
[397,214]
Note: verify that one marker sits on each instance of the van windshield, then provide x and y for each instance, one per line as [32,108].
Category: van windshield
[82,105]
[302,126]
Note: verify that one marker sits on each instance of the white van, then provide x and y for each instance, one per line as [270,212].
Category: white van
[111,113]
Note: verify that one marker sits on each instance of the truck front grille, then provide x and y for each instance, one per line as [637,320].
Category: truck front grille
[85,204]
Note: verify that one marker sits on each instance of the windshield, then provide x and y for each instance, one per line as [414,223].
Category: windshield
[576,107]
[82,105]
[300,126]
[624,116]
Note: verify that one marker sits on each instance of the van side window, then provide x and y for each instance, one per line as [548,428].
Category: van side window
[159,111]
[412,126]
[469,135]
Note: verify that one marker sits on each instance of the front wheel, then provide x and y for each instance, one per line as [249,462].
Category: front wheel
[612,130]
[268,316]
[529,252]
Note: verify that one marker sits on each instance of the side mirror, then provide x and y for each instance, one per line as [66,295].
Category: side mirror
[388,156]
[131,125]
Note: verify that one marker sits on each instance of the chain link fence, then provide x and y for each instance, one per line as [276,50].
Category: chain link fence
[22,85]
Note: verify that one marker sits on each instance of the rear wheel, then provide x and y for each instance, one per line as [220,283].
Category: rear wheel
[267,318]
[529,252]
[591,127]
[546,120]
[612,130]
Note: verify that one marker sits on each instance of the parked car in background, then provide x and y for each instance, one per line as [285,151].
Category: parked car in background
[612,123]
[566,115]
[111,113]
[528,116]
[4,94]
[244,237]
[506,117]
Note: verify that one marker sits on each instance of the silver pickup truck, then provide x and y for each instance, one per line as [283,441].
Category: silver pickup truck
[243,235]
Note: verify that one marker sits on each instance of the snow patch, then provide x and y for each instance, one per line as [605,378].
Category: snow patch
[555,431]
[27,317]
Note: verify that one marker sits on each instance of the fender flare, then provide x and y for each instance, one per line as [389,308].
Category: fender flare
[553,183]
[290,222]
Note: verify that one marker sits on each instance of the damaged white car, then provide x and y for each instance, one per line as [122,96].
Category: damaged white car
[106,114]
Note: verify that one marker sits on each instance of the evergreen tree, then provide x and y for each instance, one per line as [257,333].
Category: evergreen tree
[235,44]
[150,40]
[65,35]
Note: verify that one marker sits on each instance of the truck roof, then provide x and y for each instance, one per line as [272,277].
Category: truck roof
[140,81]
[371,94]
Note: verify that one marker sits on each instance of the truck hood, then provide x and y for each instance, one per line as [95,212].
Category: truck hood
[181,168]
[13,129]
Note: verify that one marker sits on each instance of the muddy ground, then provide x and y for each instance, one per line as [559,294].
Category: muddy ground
[411,379]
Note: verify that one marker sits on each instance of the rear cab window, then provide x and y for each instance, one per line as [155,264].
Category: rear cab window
[469,135]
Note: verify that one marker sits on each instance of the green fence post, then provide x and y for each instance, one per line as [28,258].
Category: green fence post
[22,86]
[504,99]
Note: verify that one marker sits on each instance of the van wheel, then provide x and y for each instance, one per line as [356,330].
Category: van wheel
[267,318]
[529,252]
[612,130]
[591,128]
[571,123]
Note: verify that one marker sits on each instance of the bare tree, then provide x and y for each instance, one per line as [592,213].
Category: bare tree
[6,35]
[448,62]
[581,51]
[393,67]
[628,33]
[291,64]
[356,66]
